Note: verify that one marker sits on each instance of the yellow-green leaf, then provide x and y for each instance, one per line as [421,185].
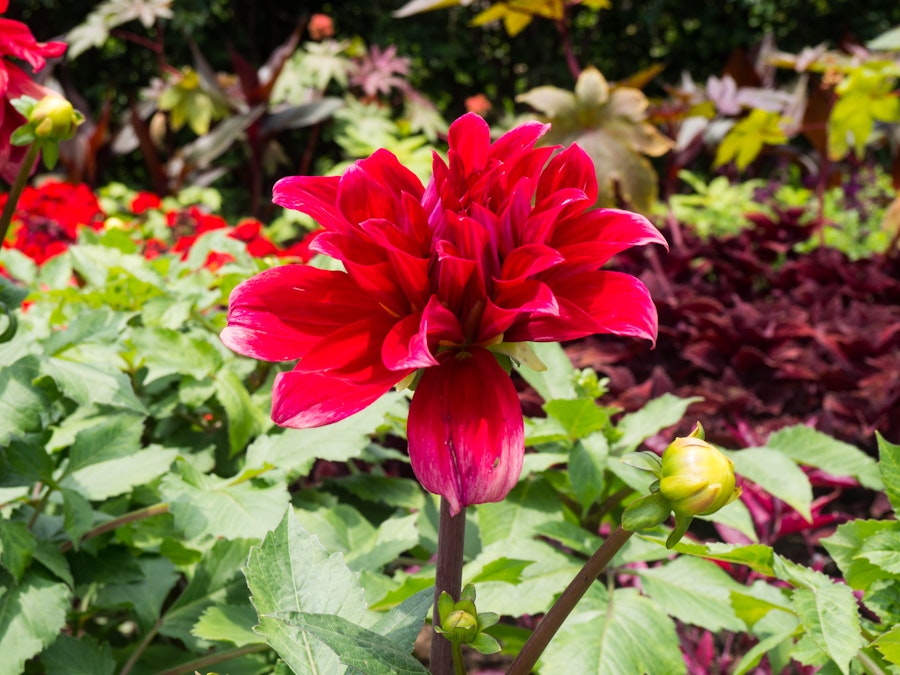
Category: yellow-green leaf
[746,139]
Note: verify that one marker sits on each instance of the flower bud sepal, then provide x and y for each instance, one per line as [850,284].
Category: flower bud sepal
[49,121]
[462,624]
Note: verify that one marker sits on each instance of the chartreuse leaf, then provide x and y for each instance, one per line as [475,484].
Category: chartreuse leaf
[889,645]
[813,448]
[655,416]
[883,550]
[865,96]
[81,656]
[615,633]
[233,508]
[694,591]
[889,467]
[32,613]
[827,611]
[746,139]
[777,474]
[356,646]
[291,572]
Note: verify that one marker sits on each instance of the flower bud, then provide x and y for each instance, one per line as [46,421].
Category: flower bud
[54,118]
[696,478]
[460,626]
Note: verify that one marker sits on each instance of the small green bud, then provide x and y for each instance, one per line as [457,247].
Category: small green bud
[696,478]
[460,626]
[54,119]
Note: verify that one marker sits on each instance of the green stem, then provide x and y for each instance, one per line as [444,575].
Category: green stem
[109,525]
[17,187]
[140,649]
[448,577]
[546,629]
[213,659]
[459,666]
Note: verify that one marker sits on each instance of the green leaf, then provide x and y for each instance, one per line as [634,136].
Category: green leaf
[757,557]
[889,468]
[889,645]
[694,591]
[656,415]
[646,512]
[398,492]
[846,543]
[403,623]
[112,437]
[355,646]
[144,594]
[813,448]
[587,468]
[81,656]
[92,383]
[745,140]
[503,569]
[245,419]
[17,544]
[777,474]
[558,381]
[113,477]
[531,503]
[232,508]
[214,578]
[22,407]
[827,611]
[228,623]
[291,572]
[614,634]
[78,515]
[31,615]
[883,550]
[25,462]
[167,352]
[580,417]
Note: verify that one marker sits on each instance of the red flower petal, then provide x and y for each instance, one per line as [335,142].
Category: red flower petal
[412,342]
[466,437]
[315,196]
[304,400]
[593,302]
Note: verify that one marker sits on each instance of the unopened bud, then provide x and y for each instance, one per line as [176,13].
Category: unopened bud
[460,626]
[53,118]
[696,478]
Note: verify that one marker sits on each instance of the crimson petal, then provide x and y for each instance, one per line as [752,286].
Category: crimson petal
[466,436]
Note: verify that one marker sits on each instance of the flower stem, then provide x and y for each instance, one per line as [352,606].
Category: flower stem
[546,629]
[448,577]
[109,525]
[16,190]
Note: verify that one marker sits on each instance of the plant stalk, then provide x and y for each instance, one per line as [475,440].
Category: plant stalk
[140,514]
[553,619]
[16,189]
[448,577]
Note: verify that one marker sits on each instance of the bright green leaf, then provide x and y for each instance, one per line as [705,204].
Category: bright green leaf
[587,469]
[31,615]
[81,656]
[889,645]
[113,477]
[658,414]
[883,550]
[228,623]
[889,467]
[777,474]
[846,543]
[17,544]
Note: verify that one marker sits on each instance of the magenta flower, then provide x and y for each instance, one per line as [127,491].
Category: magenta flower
[502,246]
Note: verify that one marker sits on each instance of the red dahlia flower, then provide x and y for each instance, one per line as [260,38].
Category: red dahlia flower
[502,247]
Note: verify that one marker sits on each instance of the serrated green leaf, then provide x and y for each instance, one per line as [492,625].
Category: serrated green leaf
[503,569]
[144,594]
[777,474]
[558,381]
[846,543]
[24,462]
[291,572]
[694,591]
[757,557]
[31,615]
[658,414]
[81,656]
[231,508]
[813,448]
[622,632]
[354,645]
[165,352]
[245,419]
[78,515]
[889,469]
[580,417]
[112,437]
[49,555]
[889,645]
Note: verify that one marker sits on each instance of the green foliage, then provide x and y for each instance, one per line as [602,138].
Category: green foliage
[717,208]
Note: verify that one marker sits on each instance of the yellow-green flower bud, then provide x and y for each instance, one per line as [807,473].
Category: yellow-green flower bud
[460,626]
[54,118]
[696,478]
